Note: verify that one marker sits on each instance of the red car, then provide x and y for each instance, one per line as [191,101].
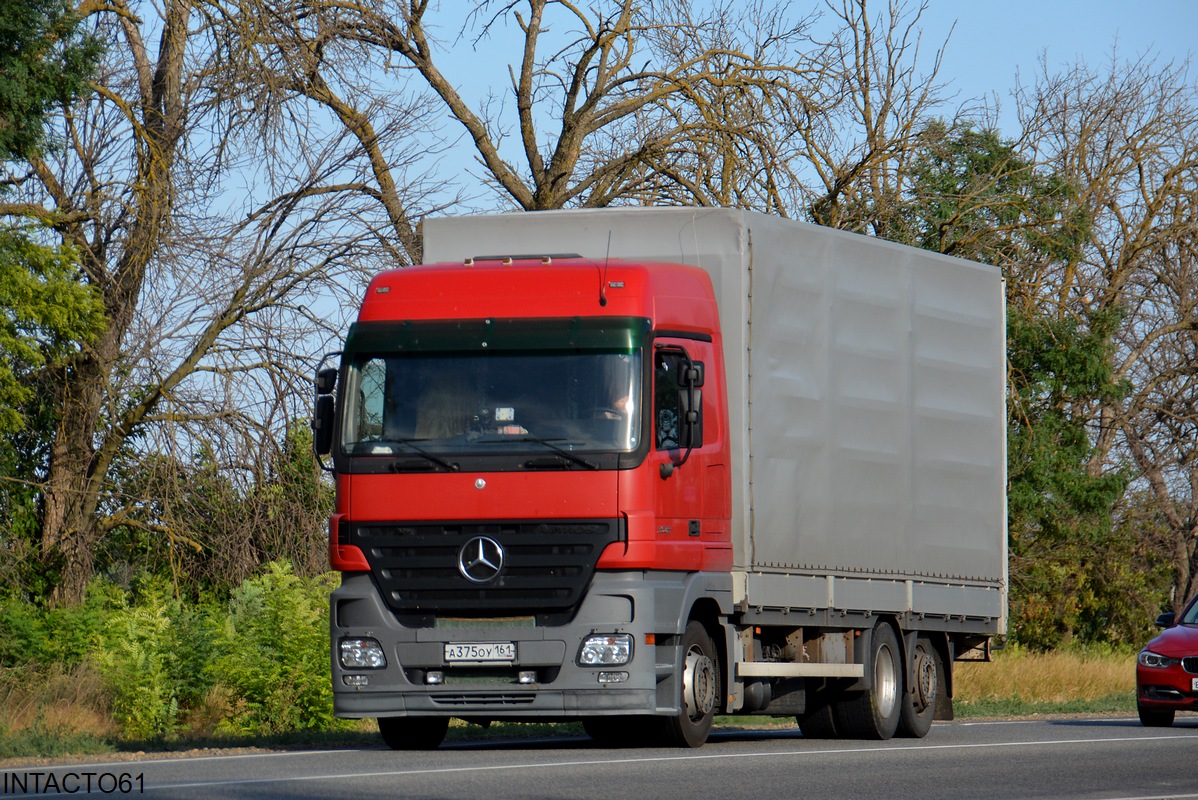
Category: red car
[1167,669]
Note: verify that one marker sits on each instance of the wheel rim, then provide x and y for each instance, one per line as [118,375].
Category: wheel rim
[885,681]
[926,685]
[698,684]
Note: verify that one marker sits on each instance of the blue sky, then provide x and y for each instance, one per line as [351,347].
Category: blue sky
[995,41]
[993,44]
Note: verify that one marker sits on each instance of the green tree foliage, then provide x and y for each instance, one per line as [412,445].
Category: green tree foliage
[1072,574]
[972,195]
[45,59]
[45,315]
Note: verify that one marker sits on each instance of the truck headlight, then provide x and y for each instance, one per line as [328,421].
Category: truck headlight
[605,649]
[1155,660]
[362,654]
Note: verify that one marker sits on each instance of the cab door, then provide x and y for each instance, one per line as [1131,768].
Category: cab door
[688,453]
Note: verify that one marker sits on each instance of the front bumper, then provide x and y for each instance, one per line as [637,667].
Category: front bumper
[644,605]
[1170,688]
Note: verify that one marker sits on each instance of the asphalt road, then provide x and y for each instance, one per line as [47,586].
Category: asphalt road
[1055,758]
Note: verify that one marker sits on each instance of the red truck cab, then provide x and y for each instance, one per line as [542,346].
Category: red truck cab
[531,460]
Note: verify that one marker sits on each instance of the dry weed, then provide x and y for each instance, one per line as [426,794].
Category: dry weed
[73,701]
[1055,677]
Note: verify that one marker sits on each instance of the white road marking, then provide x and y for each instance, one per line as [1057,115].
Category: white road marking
[615,762]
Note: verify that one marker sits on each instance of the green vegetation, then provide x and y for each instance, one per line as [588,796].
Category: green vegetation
[45,60]
[141,670]
[141,666]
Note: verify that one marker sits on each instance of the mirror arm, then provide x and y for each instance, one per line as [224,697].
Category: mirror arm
[667,469]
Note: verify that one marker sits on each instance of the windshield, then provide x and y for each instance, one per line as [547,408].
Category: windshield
[552,403]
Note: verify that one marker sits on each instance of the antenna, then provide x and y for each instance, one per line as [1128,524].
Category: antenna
[603,279]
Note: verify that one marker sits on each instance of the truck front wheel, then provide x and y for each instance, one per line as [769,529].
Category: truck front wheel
[700,689]
[413,733]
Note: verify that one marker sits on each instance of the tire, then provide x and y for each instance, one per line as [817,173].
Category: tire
[413,733]
[700,688]
[919,705]
[875,713]
[1155,717]
[817,722]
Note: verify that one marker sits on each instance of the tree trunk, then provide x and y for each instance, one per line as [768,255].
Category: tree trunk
[91,430]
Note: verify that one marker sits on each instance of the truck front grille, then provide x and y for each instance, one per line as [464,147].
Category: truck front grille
[546,565]
[506,699]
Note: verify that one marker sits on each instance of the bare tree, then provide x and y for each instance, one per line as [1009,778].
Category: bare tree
[218,255]
[1127,137]
[864,124]
[618,102]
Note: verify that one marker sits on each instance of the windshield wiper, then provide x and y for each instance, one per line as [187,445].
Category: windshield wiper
[565,456]
[408,465]
[561,451]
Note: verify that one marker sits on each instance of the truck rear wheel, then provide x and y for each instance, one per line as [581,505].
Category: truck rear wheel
[817,723]
[874,713]
[919,704]
[700,689]
[413,733]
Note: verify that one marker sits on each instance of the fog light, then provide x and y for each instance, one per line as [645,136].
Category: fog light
[527,677]
[356,680]
[434,678]
[613,677]
[362,654]
[606,649]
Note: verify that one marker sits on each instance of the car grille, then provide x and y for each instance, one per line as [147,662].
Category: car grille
[1190,664]
[547,565]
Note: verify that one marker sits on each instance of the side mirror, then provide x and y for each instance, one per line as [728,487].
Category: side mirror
[326,380]
[322,425]
[1166,620]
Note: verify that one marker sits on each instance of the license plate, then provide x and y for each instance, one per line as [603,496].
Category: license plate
[480,652]
[1194,684]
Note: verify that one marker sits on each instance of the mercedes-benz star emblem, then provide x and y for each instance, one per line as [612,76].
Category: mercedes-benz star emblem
[480,559]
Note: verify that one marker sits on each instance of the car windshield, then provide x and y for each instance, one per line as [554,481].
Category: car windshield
[1191,614]
[502,401]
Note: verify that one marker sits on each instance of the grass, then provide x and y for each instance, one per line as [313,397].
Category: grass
[1020,683]
[67,714]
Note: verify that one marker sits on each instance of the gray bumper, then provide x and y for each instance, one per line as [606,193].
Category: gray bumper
[636,603]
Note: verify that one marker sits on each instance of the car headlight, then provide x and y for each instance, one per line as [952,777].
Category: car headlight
[1156,660]
[362,654]
[605,649]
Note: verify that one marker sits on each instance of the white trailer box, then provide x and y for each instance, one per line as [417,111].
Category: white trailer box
[866,401]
